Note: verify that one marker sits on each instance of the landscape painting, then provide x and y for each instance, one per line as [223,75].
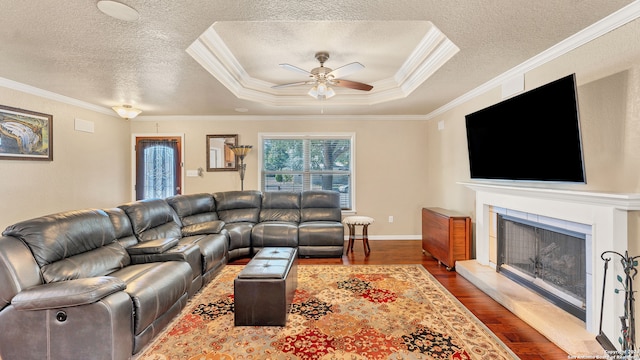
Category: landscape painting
[25,135]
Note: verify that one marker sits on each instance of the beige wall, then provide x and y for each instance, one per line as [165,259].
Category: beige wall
[608,76]
[391,172]
[402,165]
[89,170]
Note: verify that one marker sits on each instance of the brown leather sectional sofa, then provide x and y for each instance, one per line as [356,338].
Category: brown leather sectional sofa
[102,283]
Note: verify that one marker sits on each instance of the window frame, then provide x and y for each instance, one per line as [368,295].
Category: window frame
[351,136]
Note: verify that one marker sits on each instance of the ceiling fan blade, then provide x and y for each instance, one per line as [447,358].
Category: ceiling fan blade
[346,70]
[352,85]
[295,68]
[292,84]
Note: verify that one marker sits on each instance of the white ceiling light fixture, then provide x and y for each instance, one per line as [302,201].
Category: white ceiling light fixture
[118,10]
[126,111]
[321,91]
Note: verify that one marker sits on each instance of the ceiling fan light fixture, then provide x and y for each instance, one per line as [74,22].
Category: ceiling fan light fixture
[126,111]
[322,88]
[329,93]
[321,91]
[313,92]
[323,77]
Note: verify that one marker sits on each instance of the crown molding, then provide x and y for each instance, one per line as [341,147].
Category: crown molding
[619,18]
[615,20]
[282,118]
[28,89]
[213,54]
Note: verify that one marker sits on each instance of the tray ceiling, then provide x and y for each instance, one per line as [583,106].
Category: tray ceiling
[73,51]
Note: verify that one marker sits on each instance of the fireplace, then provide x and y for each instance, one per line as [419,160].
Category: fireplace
[547,259]
[603,217]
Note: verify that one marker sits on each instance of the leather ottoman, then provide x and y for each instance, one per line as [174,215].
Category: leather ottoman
[264,289]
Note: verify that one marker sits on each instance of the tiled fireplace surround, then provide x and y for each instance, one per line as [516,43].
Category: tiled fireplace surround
[602,216]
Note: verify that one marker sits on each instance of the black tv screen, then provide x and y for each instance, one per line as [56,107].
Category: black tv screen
[534,136]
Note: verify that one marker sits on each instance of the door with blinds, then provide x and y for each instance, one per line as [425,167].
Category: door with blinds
[158,165]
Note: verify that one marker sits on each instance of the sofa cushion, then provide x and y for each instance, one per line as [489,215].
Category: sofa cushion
[321,233]
[98,262]
[168,230]
[153,219]
[239,238]
[274,233]
[194,208]
[280,206]
[84,237]
[238,206]
[122,227]
[320,205]
[154,288]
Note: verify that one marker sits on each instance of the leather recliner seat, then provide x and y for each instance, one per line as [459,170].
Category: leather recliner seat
[202,227]
[320,232]
[279,219]
[158,230]
[240,211]
[69,290]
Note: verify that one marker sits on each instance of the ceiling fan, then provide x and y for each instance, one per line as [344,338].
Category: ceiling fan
[323,77]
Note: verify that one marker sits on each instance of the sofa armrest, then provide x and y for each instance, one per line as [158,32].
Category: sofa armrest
[208,227]
[157,246]
[67,293]
[181,252]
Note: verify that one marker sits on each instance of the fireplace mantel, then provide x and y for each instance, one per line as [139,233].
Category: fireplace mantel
[621,201]
[607,216]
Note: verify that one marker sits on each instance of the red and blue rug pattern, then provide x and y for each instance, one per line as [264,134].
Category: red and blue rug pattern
[339,312]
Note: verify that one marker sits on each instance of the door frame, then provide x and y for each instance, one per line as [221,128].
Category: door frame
[133,158]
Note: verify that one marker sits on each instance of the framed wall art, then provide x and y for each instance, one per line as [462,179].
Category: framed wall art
[25,135]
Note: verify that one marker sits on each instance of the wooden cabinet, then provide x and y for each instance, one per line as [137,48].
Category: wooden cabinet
[446,235]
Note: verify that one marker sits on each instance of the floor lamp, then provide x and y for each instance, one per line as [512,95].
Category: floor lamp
[241,151]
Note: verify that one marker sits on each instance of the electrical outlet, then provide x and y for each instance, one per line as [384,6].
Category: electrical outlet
[390,218]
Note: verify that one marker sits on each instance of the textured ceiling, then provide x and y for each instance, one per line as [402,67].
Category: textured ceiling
[71,48]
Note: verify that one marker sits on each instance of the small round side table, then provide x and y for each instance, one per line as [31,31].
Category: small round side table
[352,222]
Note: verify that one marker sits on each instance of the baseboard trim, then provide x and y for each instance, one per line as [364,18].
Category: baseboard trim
[391,237]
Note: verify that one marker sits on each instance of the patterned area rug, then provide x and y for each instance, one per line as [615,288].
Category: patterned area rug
[339,312]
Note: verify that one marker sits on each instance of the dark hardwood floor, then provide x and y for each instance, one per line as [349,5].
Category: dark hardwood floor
[522,339]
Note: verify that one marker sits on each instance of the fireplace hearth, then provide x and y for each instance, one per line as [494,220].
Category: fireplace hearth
[547,259]
[602,216]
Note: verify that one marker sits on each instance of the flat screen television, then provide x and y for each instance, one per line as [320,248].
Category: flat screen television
[533,136]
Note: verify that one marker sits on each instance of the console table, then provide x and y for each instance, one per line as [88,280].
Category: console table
[446,235]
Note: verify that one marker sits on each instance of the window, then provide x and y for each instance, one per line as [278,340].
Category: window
[296,162]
